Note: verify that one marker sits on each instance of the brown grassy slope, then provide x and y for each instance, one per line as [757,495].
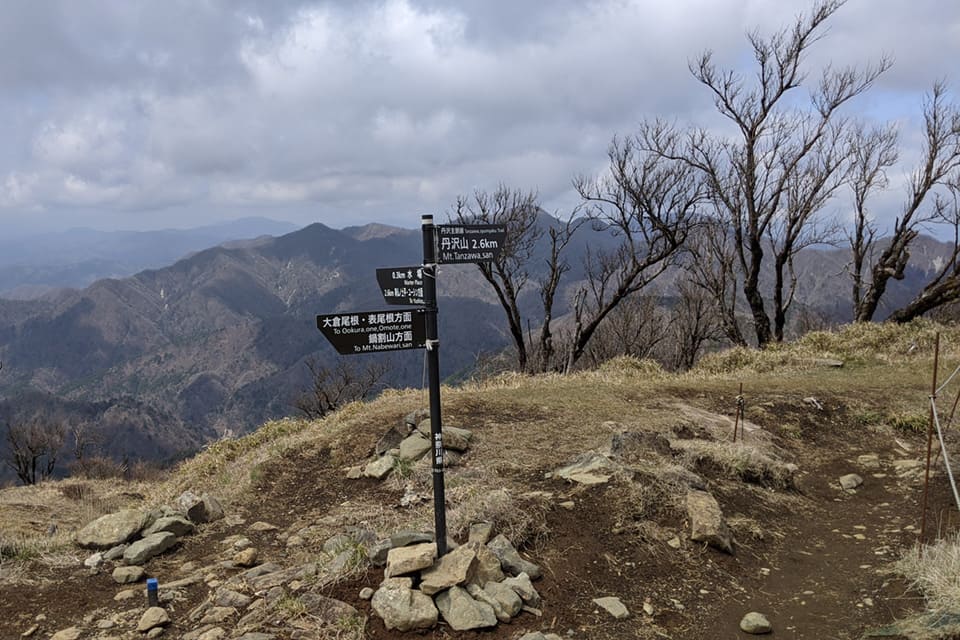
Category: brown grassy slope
[292,472]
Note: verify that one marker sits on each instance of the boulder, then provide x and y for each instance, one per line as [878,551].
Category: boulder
[508,599]
[510,558]
[206,508]
[379,468]
[229,598]
[177,525]
[127,575]
[706,521]
[462,612]
[153,617]
[588,469]
[613,606]
[377,553]
[480,532]
[409,559]
[403,608]
[755,623]
[414,447]
[850,481]
[142,550]
[111,530]
[487,567]
[407,538]
[523,587]
[390,440]
[452,569]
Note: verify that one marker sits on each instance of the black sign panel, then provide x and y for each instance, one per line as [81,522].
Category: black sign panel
[401,285]
[465,243]
[371,331]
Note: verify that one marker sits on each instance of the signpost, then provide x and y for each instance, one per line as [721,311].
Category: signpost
[401,285]
[372,331]
[361,332]
[467,243]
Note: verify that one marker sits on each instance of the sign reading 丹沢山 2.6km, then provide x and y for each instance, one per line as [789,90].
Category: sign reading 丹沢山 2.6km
[371,331]
[465,243]
[401,285]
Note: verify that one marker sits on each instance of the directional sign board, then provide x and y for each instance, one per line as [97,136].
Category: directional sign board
[371,331]
[465,243]
[401,285]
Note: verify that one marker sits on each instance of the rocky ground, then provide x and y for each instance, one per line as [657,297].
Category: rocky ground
[616,519]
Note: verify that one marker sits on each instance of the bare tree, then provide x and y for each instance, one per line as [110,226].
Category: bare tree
[636,328]
[939,170]
[529,233]
[33,447]
[650,202]
[771,180]
[711,265]
[334,387]
[692,322]
[509,273]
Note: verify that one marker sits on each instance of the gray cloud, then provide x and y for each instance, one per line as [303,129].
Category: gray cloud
[151,114]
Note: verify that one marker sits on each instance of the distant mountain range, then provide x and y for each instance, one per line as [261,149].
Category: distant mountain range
[36,264]
[170,358]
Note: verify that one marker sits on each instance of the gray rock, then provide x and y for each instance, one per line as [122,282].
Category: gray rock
[71,633]
[613,606]
[508,599]
[409,559]
[206,508]
[128,575]
[114,553]
[218,615]
[262,527]
[457,439]
[452,569]
[487,567]
[94,561]
[229,598]
[755,623]
[510,559]
[403,608]
[478,594]
[377,554]
[413,419]
[177,525]
[380,468]
[390,440]
[706,521]
[480,532]
[462,612]
[414,447]
[142,550]
[112,529]
[588,469]
[255,635]
[523,587]
[153,617]
[406,538]
[217,633]
[247,557]
[869,461]
[366,593]
[850,481]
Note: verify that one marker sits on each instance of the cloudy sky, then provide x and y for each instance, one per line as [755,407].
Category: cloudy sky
[140,115]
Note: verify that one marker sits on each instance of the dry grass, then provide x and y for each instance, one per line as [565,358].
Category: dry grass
[935,571]
[746,462]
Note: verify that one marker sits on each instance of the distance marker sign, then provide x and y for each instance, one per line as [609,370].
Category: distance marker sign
[401,285]
[372,331]
[466,243]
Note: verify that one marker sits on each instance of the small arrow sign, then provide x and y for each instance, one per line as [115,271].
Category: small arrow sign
[372,331]
[466,243]
[401,285]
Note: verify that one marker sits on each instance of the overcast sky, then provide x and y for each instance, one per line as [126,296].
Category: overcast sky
[142,115]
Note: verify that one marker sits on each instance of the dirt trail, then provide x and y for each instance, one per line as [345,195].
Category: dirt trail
[828,579]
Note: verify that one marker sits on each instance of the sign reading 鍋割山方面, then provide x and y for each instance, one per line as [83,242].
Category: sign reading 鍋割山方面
[401,285]
[372,331]
[466,243]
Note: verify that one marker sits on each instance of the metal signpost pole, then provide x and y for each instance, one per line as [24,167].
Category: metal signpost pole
[433,372]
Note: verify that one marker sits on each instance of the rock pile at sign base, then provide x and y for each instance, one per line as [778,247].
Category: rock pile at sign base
[467,588]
